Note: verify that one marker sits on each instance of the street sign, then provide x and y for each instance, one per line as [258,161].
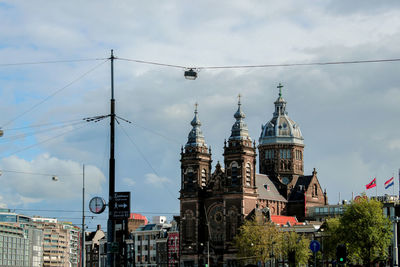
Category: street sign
[122,205]
[315,246]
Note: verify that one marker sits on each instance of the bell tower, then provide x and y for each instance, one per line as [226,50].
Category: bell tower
[281,147]
[195,174]
[195,160]
[240,157]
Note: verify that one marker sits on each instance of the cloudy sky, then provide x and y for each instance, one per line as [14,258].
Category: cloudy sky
[348,113]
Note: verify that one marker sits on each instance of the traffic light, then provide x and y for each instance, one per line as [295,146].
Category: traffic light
[341,253]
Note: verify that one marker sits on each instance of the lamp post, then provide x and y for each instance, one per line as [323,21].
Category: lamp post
[55,179]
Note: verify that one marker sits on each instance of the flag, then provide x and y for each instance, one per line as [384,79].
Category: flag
[372,184]
[389,183]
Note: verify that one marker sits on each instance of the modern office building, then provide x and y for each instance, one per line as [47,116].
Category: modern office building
[56,242]
[20,241]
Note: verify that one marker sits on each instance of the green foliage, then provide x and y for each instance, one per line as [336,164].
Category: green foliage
[297,243]
[257,240]
[364,230]
[261,241]
[332,237]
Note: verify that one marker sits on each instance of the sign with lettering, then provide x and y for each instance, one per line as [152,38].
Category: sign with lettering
[122,205]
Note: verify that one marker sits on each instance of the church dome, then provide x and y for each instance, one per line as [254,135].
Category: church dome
[281,128]
[239,128]
[195,137]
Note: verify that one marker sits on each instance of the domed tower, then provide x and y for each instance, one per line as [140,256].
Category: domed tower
[240,156]
[195,159]
[195,173]
[281,147]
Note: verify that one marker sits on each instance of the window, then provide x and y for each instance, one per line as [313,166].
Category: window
[235,173]
[285,153]
[269,154]
[248,174]
[203,177]
[315,190]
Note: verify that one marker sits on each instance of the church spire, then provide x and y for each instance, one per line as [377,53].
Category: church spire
[195,137]
[280,103]
[239,128]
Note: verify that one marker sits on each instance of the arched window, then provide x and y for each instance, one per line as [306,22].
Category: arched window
[248,174]
[235,173]
[315,190]
[190,179]
[203,177]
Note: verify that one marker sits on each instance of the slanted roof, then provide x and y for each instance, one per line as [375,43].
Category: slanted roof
[266,189]
[301,186]
[284,220]
[137,216]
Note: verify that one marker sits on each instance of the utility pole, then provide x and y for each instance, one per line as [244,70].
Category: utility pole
[83,217]
[111,185]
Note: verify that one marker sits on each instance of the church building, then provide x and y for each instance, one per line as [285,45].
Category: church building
[214,203]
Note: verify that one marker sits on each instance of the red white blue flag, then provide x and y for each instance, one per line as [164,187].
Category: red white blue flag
[389,183]
[372,184]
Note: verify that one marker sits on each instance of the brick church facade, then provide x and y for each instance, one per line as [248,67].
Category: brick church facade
[213,204]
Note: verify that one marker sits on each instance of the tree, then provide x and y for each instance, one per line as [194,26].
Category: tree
[332,237]
[366,231]
[257,240]
[297,244]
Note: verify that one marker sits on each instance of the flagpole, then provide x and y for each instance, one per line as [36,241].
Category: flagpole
[393,185]
[376,189]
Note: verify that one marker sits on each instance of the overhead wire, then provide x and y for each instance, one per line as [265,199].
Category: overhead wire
[145,159]
[80,211]
[27,134]
[40,125]
[49,62]
[54,93]
[42,142]
[264,65]
[152,63]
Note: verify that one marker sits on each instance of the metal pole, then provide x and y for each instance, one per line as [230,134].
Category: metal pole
[208,253]
[395,250]
[111,186]
[83,217]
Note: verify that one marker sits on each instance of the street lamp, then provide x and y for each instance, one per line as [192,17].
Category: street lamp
[55,179]
[190,74]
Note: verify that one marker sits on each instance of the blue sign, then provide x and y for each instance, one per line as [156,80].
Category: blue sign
[315,246]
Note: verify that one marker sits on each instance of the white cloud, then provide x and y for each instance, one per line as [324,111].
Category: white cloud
[342,110]
[25,182]
[129,182]
[156,180]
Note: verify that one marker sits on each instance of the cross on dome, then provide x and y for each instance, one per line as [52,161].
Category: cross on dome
[280,86]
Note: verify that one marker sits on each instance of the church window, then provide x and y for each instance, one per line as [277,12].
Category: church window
[235,173]
[269,154]
[190,179]
[203,177]
[315,190]
[248,174]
